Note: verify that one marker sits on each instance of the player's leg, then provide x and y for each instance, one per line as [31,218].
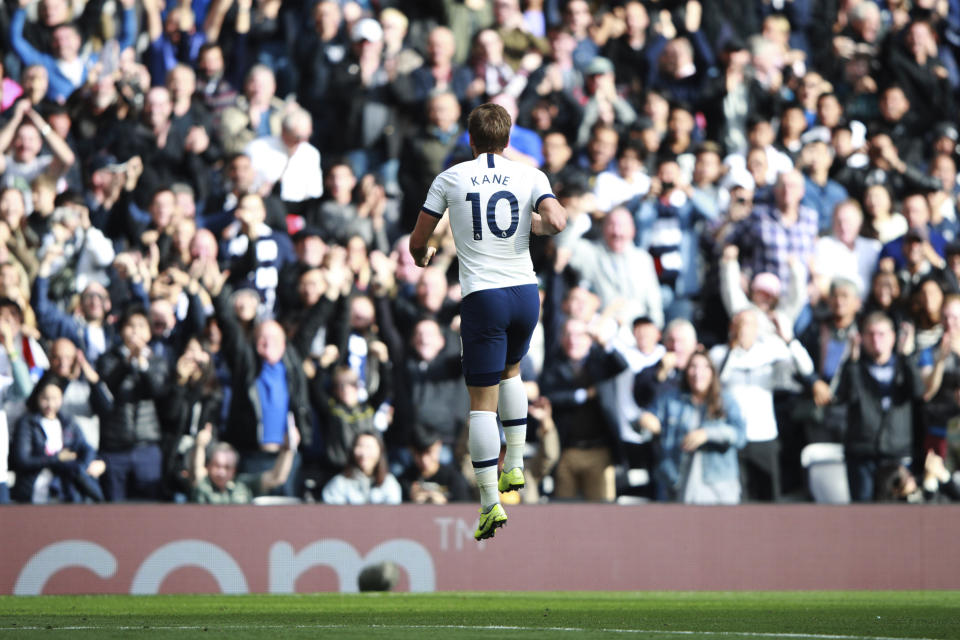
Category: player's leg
[484,346]
[524,304]
[512,408]
[484,442]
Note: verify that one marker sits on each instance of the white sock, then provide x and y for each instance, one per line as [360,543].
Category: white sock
[513,417]
[484,444]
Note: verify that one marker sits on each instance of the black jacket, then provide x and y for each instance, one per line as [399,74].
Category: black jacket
[873,431]
[130,400]
[561,382]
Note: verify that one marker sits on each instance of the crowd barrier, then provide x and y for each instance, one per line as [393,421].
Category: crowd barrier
[146,549]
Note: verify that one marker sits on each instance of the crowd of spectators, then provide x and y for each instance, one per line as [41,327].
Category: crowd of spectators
[206,293]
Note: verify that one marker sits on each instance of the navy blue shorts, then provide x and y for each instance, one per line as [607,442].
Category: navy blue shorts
[495,330]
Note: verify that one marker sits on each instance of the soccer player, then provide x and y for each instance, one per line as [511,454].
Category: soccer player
[494,205]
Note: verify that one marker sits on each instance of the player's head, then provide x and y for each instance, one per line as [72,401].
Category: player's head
[489,127]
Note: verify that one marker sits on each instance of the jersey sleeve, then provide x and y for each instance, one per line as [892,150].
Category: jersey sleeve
[540,189]
[436,202]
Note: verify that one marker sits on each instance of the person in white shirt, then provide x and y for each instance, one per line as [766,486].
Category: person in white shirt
[629,181]
[749,368]
[845,253]
[289,159]
[495,204]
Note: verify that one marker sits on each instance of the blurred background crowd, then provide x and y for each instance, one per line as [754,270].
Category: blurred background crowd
[206,293]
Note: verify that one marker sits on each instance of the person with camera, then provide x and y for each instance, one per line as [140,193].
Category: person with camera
[666,220]
[130,414]
[81,252]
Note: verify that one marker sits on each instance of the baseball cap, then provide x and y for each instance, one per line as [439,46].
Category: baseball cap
[367,29]
[598,65]
[913,235]
[103,161]
[308,231]
[767,282]
[946,130]
[734,43]
[738,177]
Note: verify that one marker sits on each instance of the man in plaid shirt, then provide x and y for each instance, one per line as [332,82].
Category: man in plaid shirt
[772,234]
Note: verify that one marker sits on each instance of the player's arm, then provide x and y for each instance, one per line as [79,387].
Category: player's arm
[551,219]
[422,253]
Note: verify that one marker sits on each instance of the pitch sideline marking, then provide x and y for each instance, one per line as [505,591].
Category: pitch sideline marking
[463,627]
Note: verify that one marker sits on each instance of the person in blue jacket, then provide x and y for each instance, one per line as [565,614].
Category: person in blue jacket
[700,431]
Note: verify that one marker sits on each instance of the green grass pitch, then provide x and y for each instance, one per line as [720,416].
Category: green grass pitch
[846,615]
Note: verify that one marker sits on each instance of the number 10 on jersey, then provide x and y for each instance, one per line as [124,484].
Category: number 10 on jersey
[474,199]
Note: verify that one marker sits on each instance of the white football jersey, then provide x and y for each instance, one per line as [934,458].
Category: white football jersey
[490,200]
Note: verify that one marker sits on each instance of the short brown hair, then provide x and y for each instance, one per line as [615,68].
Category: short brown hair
[489,127]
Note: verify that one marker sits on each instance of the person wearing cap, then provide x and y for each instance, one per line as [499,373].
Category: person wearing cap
[361,91]
[429,480]
[491,73]
[779,233]
[602,100]
[917,267]
[749,367]
[944,138]
[916,209]
[766,293]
